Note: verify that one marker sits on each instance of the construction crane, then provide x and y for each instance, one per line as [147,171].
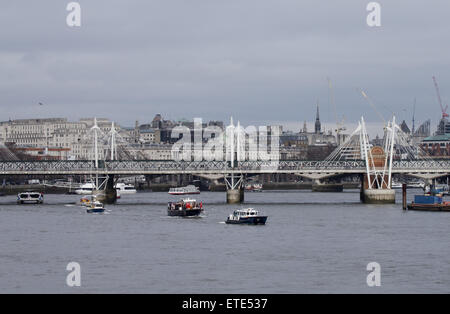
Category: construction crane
[372,105]
[414,118]
[444,110]
[340,127]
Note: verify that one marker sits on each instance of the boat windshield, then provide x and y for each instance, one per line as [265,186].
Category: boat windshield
[246,212]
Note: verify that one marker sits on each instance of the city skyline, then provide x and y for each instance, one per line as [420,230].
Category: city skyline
[224,155]
[222,60]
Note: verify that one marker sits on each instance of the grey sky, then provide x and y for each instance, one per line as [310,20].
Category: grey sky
[258,60]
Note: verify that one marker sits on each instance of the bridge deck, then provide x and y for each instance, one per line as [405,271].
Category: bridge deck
[139,167]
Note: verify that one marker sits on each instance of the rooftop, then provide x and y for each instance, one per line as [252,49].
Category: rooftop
[438,138]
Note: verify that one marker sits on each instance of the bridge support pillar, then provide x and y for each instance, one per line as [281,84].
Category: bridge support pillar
[109,194]
[376,196]
[235,196]
[379,196]
[235,188]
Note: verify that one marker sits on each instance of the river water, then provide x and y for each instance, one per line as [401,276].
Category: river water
[312,243]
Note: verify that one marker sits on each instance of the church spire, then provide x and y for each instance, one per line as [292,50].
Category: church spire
[317,124]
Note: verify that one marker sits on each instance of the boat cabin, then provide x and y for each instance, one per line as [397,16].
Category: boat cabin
[185,204]
[249,212]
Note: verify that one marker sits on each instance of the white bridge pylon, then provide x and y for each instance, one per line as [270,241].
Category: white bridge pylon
[234,152]
[379,161]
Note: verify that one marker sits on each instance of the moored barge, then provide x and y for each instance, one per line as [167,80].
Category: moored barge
[429,203]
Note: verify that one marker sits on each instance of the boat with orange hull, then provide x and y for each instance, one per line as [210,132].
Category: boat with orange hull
[444,207]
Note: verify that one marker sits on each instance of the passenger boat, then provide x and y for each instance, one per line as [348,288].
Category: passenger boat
[429,203]
[409,185]
[247,216]
[85,189]
[30,198]
[416,185]
[254,187]
[95,207]
[123,188]
[184,208]
[190,189]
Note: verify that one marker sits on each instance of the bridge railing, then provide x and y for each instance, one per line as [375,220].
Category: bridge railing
[47,166]
[434,164]
[152,165]
[295,165]
[136,166]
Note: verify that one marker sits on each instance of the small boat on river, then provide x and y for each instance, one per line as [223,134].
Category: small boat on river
[95,207]
[247,216]
[186,190]
[184,208]
[30,198]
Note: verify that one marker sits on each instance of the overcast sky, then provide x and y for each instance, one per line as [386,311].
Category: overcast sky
[261,61]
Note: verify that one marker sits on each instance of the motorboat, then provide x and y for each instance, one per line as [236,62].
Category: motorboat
[95,207]
[254,187]
[184,208]
[30,198]
[85,189]
[409,185]
[123,188]
[190,189]
[247,216]
[416,185]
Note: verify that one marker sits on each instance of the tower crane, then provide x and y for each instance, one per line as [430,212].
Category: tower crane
[340,127]
[363,93]
[414,118]
[444,110]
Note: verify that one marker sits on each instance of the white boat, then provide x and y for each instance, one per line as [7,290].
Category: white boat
[416,185]
[409,185]
[247,216]
[95,207]
[190,189]
[30,198]
[85,189]
[123,188]
[254,187]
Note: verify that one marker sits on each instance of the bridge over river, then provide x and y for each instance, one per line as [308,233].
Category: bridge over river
[426,169]
[356,156]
